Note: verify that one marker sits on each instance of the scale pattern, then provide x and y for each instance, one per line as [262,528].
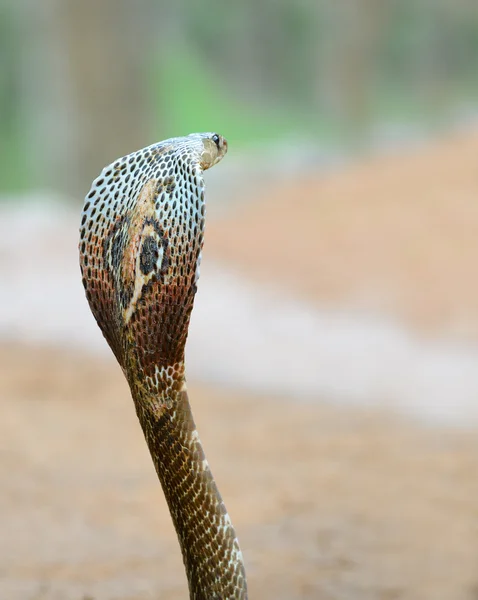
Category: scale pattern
[141,237]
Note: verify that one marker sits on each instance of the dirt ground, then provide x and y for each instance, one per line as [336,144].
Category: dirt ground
[329,503]
[394,235]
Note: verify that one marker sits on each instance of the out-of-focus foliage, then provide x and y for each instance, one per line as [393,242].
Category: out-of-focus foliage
[83,81]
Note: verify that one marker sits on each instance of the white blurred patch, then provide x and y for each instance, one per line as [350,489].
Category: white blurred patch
[240,334]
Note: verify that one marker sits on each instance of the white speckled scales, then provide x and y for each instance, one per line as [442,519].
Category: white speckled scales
[176,166]
[143,226]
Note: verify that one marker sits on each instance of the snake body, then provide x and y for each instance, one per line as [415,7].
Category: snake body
[141,238]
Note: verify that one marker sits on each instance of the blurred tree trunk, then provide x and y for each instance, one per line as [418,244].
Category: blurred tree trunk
[88,89]
[348,57]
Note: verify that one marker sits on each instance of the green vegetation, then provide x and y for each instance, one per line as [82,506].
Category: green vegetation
[261,73]
[194,100]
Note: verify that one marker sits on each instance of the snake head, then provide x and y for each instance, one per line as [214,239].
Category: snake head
[214,148]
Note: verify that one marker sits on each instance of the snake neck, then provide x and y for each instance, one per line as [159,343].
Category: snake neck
[141,238]
[210,549]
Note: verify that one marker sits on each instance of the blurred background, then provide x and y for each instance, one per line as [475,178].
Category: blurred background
[333,349]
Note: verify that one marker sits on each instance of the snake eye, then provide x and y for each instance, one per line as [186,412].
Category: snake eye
[216,140]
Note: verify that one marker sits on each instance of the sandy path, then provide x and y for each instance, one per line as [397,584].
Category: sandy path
[329,504]
[394,235]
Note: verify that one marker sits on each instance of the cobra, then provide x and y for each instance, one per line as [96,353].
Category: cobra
[141,237]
